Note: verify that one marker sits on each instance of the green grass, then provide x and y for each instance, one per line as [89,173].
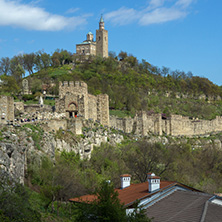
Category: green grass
[38,203]
[28,102]
[49,102]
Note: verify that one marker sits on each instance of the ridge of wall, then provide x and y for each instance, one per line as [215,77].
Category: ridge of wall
[175,125]
[72,87]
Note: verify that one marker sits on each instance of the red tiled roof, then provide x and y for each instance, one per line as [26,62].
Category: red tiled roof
[130,194]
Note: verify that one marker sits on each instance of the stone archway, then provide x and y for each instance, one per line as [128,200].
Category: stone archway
[72,109]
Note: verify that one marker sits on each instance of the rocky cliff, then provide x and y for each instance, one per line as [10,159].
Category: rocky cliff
[20,146]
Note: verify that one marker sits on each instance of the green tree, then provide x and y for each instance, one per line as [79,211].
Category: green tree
[4,65]
[42,60]
[122,55]
[18,73]
[9,84]
[56,57]
[29,62]
[107,207]
[146,158]
[16,63]
[14,204]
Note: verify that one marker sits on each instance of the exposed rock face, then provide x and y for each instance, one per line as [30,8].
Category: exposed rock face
[18,147]
[12,158]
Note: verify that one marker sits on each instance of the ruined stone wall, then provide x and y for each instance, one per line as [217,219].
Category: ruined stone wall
[145,124]
[59,105]
[10,108]
[141,124]
[19,106]
[76,92]
[88,106]
[55,124]
[76,88]
[75,125]
[92,106]
[32,108]
[103,109]
[176,125]
[6,109]
[180,125]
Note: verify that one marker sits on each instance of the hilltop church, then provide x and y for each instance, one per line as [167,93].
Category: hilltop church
[95,48]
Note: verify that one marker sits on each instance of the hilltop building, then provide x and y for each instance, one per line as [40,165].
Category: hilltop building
[166,200]
[95,48]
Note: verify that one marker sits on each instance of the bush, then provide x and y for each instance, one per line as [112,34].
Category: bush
[15,206]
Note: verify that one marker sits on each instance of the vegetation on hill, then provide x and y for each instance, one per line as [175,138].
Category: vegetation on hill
[194,162]
[130,84]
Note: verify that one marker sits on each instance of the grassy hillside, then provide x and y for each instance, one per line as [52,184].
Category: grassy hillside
[135,86]
[130,84]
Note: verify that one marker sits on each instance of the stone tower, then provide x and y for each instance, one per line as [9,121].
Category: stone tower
[101,40]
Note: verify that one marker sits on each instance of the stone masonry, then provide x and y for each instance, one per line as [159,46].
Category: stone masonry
[6,109]
[75,102]
[175,125]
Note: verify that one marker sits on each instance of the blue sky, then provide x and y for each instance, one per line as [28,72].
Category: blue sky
[180,34]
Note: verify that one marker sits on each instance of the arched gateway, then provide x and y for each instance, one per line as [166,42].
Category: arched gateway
[72,109]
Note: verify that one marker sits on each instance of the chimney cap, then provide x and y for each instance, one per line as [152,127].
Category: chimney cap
[152,176]
[125,175]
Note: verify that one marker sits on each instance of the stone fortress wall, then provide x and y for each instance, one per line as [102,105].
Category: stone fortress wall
[74,100]
[175,125]
[6,109]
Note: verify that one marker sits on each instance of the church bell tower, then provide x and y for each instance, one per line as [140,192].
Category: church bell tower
[102,40]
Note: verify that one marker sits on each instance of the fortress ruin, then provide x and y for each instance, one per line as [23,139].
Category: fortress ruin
[75,101]
[75,105]
[6,109]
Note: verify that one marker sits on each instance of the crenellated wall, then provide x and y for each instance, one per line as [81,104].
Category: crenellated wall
[76,88]
[74,99]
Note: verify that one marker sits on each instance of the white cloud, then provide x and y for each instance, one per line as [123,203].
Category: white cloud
[161,15]
[155,3]
[184,3]
[122,16]
[157,11]
[28,16]
[72,10]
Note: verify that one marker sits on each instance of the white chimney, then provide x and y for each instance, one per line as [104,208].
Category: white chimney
[125,180]
[153,182]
